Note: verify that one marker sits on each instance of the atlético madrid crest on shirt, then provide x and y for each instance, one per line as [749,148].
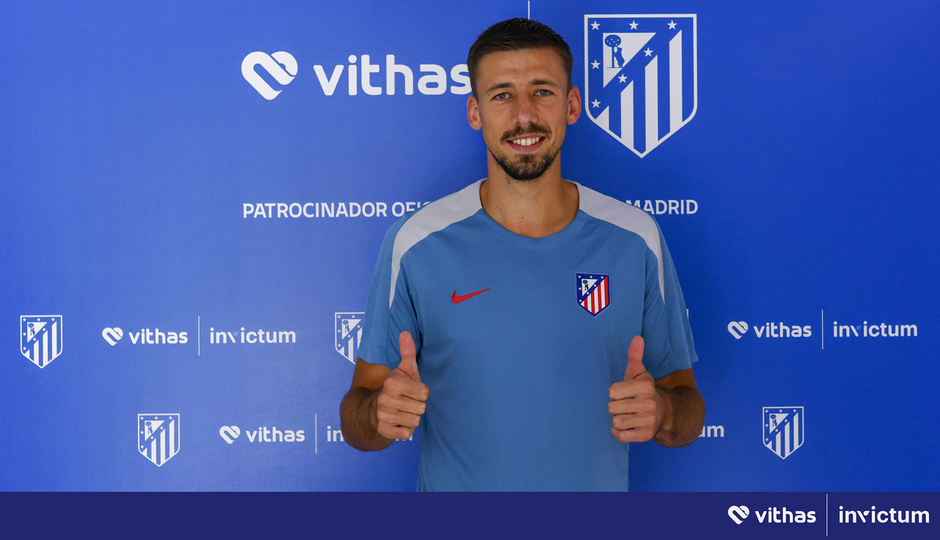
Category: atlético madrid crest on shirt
[640,80]
[594,292]
[783,429]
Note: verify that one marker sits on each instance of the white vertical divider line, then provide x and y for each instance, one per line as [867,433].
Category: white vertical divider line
[822,326]
[198,335]
[316,435]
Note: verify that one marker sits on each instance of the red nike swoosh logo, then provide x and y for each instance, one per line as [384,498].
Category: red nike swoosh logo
[458,299]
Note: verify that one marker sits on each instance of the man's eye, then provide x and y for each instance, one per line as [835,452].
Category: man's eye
[501,96]
[543,92]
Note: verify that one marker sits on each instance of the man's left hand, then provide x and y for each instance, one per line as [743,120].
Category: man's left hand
[636,405]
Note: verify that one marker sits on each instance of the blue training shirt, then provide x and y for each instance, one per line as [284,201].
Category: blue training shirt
[519,372]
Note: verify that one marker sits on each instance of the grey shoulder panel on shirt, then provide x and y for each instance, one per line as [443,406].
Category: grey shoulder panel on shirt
[432,218]
[627,217]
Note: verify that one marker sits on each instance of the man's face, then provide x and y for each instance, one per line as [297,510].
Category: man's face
[523,107]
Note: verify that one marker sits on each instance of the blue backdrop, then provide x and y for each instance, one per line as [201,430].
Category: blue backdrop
[185,260]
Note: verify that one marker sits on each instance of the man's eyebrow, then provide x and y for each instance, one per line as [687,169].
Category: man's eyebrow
[542,82]
[533,82]
[499,86]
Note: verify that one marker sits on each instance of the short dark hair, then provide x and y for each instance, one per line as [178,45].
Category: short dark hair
[515,35]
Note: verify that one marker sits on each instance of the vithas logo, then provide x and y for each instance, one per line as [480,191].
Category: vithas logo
[770,330]
[280,65]
[229,433]
[737,328]
[262,434]
[146,336]
[773,514]
[738,513]
[361,74]
[112,335]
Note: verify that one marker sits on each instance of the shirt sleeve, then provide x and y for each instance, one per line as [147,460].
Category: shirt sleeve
[384,322]
[666,329]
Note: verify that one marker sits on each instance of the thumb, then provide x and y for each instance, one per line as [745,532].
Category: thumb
[408,365]
[635,366]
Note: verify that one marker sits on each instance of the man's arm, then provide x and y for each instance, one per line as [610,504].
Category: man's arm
[383,404]
[683,410]
[669,410]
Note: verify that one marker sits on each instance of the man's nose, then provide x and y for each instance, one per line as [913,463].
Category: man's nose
[525,112]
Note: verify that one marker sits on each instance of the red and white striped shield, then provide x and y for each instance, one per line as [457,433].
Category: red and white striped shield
[594,292]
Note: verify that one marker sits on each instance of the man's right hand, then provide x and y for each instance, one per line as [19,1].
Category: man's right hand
[402,401]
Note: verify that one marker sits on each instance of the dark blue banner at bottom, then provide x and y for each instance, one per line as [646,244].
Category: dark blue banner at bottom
[486,515]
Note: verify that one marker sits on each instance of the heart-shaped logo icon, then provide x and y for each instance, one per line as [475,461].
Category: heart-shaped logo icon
[737,328]
[738,513]
[112,335]
[230,433]
[281,66]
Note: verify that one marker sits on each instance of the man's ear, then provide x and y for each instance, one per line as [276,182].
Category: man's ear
[574,105]
[473,113]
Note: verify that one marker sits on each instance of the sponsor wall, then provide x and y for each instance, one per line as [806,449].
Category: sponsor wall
[192,199]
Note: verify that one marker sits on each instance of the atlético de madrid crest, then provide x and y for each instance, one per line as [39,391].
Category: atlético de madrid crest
[783,429]
[640,80]
[158,436]
[41,338]
[594,292]
[348,327]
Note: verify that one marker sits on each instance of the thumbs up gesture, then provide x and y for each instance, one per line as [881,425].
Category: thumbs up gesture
[636,405]
[402,401]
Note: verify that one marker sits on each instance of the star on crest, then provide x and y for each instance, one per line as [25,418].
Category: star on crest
[633,25]
[672,25]
[595,103]
[595,25]
[595,64]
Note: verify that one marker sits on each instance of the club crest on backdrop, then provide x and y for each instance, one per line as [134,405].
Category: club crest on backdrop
[348,327]
[41,338]
[783,429]
[158,436]
[640,76]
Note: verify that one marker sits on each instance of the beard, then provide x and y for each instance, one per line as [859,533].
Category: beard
[526,166]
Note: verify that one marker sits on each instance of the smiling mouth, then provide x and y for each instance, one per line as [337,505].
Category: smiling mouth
[526,136]
[528,141]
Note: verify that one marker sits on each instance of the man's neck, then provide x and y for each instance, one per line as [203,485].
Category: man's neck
[534,208]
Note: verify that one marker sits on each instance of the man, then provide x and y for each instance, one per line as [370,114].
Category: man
[528,326]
